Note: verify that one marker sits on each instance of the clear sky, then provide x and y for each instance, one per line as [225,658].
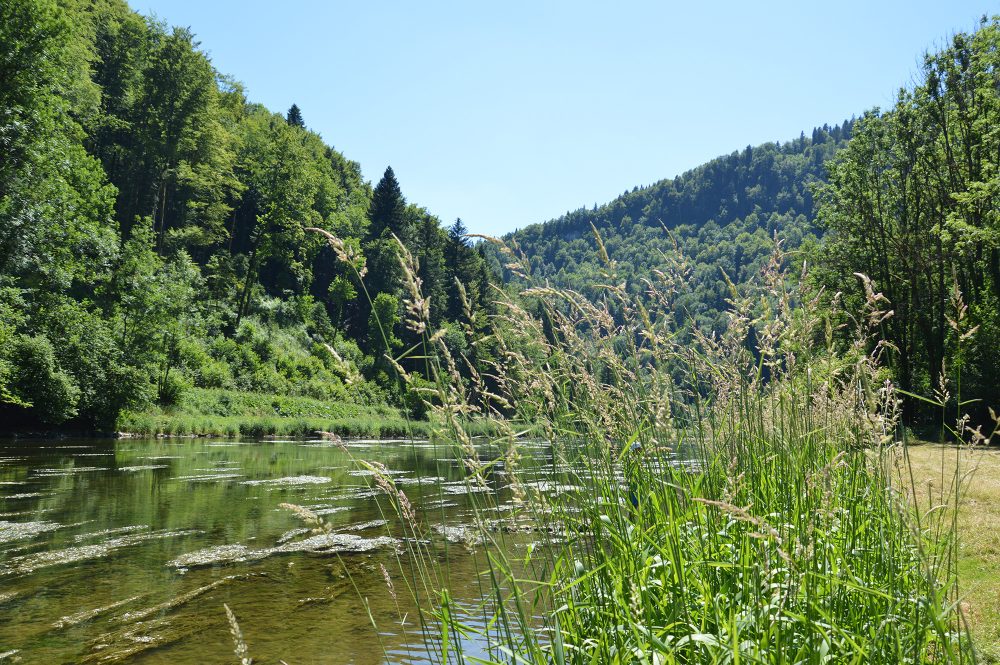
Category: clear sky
[509,113]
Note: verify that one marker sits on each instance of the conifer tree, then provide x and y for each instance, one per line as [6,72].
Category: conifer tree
[294,117]
[387,211]
[431,245]
[460,260]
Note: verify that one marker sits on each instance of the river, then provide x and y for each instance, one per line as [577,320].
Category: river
[106,549]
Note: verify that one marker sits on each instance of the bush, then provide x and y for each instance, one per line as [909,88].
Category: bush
[39,381]
[214,374]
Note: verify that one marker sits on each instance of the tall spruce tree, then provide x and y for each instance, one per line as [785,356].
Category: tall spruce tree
[460,260]
[387,211]
[294,117]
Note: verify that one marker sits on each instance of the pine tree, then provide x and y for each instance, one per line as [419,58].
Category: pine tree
[431,246]
[387,211]
[457,232]
[294,117]
[460,261]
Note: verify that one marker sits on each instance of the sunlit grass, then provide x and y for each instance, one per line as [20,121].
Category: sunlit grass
[978,531]
[736,501]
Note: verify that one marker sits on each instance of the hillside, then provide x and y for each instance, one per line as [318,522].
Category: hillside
[723,216]
[153,234]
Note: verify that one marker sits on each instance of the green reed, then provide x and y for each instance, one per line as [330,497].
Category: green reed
[734,502]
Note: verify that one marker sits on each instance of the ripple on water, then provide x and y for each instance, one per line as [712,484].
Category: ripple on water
[111,532]
[213,476]
[11,531]
[67,471]
[462,487]
[288,481]
[367,473]
[29,563]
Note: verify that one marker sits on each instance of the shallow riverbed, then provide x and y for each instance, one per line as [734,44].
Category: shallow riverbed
[126,551]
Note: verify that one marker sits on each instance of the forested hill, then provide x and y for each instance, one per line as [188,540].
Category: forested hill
[723,215]
[153,233]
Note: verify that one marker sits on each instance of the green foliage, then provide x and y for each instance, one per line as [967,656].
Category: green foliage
[382,324]
[719,220]
[152,227]
[912,204]
[38,380]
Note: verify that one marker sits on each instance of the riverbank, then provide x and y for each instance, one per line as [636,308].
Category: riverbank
[978,531]
[232,414]
[228,413]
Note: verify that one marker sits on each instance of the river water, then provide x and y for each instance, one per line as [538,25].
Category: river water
[106,549]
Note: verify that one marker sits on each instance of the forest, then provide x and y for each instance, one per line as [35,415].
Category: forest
[153,241]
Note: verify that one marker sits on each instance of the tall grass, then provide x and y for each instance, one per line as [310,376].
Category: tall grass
[742,497]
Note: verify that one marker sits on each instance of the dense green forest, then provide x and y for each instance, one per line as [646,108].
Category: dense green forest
[716,221]
[153,234]
[914,203]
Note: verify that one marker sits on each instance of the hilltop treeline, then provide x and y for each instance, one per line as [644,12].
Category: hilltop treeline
[152,232]
[719,220]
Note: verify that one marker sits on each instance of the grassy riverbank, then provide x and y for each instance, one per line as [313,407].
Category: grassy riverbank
[978,532]
[228,413]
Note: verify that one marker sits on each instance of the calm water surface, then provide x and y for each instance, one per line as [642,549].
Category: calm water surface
[104,549]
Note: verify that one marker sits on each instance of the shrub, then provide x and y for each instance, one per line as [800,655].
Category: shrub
[39,381]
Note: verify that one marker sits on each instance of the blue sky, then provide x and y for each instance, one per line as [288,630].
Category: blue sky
[511,113]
